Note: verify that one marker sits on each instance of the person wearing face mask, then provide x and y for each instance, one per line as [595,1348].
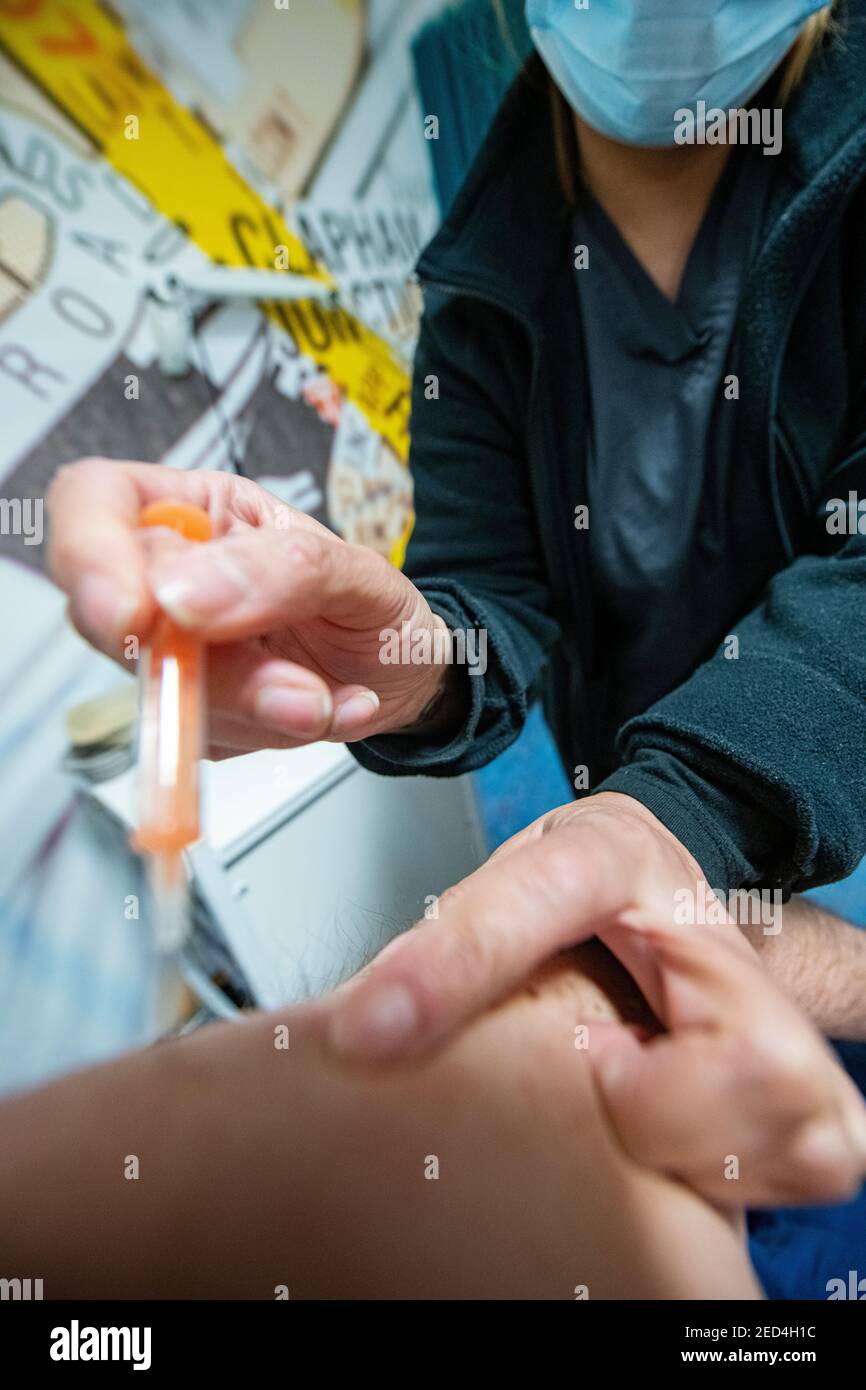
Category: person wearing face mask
[638,398]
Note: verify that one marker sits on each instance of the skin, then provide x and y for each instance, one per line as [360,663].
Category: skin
[557,884]
[261,1167]
[820,961]
[763,1084]
[656,198]
[294,615]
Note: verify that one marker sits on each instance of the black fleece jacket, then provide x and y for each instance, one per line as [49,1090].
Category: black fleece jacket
[757,764]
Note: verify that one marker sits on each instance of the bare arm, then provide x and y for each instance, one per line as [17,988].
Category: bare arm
[820,961]
[261,1167]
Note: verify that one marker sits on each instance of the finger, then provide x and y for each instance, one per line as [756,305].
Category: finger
[743,1081]
[258,692]
[248,583]
[714,986]
[705,1112]
[258,701]
[709,974]
[493,929]
[284,697]
[250,735]
[94,552]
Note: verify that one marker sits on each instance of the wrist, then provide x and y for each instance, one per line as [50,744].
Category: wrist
[434,701]
[630,810]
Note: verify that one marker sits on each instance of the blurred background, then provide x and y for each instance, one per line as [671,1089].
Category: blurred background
[148,143]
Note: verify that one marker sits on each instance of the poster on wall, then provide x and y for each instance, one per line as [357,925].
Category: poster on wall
[139,138]
[142,139]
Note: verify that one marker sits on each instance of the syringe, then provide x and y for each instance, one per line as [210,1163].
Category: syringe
[171,743]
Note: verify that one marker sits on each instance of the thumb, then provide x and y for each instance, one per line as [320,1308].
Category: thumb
[495,928]
[243,585]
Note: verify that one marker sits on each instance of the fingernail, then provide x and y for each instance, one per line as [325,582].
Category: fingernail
[824,1144]
[293,711]
[358,709]
[611,1067]
[378,1025]
[200,588]
[610,1073]
[102,609]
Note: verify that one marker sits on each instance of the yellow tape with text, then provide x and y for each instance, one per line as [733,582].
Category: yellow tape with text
[80,56]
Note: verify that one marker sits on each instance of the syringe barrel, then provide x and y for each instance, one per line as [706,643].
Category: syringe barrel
[171,737]
[172,713]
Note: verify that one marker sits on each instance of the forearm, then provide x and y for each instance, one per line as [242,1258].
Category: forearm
[261,1167]
[820,960]
[748,761]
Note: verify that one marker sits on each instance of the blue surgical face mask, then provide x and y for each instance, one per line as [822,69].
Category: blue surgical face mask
[626,66]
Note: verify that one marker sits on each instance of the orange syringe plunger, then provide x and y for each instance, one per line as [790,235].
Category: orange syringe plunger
[171,728]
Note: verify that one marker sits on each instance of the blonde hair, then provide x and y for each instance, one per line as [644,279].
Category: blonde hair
[809,40]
